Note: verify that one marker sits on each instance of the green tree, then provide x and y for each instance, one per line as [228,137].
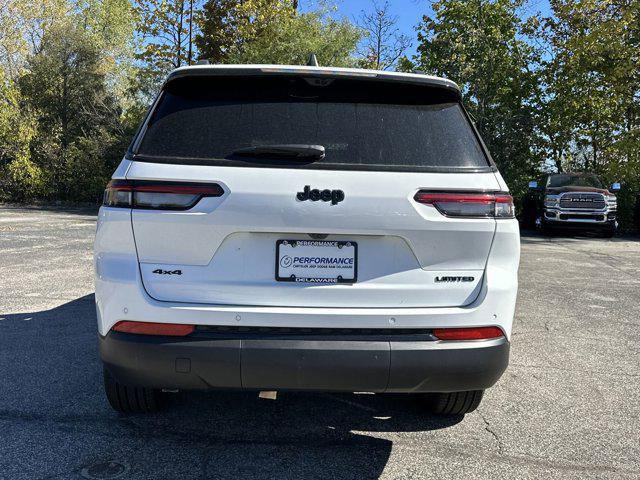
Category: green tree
[218,30]
[273,31]
[164,40]
[594,72]
[480,45]
[111,25]
[64,65]
[164,28]
[22,25]
[20,178]
[78,118]
[591,99]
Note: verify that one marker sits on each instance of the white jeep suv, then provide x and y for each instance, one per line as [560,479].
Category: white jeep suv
[305,228]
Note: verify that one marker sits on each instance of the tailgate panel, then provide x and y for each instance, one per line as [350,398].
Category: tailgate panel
[225,247]
[243,272]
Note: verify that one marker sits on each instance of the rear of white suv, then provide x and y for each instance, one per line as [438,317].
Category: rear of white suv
[302,228]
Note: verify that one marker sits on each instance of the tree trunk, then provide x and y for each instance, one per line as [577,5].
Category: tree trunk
[190,32]
[64,107]
[557,158]
[179,35]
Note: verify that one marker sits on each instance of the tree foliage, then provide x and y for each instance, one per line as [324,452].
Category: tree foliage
[274,31]
[591,97]
[560,92]
[218,23]
[479,44]
[77,117]
[164,27]
[63,77]
[18,173]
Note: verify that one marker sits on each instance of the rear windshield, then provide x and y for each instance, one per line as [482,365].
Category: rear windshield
[361,125]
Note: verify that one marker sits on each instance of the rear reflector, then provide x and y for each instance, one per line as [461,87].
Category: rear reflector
[158,195]
[474,333]
[471,205]
[149,328]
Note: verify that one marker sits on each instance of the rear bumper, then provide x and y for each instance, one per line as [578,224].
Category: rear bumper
[335,363]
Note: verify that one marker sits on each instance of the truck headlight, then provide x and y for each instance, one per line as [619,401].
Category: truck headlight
[551,200]
[612,201]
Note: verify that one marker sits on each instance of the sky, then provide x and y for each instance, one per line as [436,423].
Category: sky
[410,12]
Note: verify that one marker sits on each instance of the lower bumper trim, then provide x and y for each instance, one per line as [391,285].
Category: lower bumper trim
[311,363]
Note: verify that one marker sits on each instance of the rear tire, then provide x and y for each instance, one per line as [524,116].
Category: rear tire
[453,403]
[129,399]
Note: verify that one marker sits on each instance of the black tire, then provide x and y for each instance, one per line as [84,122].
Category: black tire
[546,230]
[454,403]
[130,399]
[608,233]
[529,215]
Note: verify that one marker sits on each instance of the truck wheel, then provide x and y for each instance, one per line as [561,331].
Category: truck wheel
[608,233]
[454,403]
[528,216]
[546,230]
[129,399]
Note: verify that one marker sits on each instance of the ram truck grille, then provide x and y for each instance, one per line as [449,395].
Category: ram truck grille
[583,201]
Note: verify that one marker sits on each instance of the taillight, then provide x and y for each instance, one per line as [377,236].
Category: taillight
[472,205]
[471,333]
[150,328]
[157,195]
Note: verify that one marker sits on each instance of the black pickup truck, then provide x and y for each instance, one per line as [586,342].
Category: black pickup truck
[571,200]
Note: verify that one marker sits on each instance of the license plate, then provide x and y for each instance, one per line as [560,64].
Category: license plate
[316,261]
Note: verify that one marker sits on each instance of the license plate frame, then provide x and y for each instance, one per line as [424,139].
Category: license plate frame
[310,244]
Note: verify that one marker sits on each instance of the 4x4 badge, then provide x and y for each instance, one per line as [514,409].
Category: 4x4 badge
[334,196]
[160,271]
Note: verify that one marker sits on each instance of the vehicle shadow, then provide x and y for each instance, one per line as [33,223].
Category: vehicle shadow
[58,424]
[84,209]
[570,235]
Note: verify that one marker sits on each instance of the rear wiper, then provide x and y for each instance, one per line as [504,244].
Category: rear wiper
[283,151]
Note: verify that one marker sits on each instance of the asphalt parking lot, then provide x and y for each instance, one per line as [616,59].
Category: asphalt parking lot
[568,406]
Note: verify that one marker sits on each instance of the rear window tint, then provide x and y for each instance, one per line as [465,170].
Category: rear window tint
[362,125]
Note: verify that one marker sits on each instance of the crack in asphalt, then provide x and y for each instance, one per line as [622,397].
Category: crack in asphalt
[487,427]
